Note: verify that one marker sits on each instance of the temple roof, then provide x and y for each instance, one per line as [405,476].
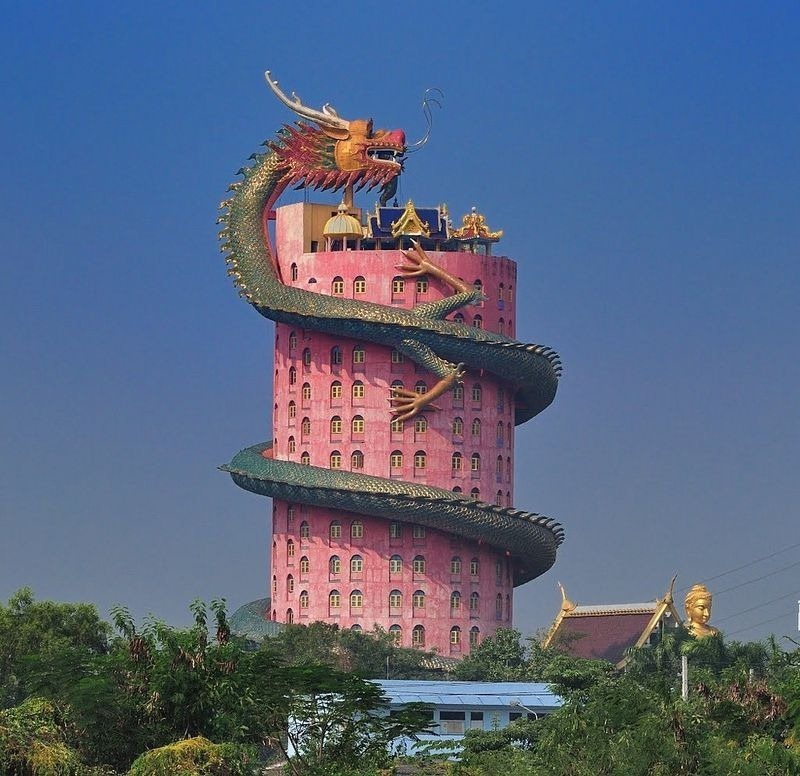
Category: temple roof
[251,621]
[608,631]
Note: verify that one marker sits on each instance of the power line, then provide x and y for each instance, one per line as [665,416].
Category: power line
[757,625]
[758,579]
[757,606]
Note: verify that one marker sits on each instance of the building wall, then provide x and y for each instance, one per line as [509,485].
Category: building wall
[331,410]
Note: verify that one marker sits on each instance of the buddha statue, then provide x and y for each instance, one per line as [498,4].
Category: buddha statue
[698,612]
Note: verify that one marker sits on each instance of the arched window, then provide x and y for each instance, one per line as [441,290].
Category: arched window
[398,288]
[337,286]
[304,599]
[510,293]
[418,599]
[305,458]
[292,340]
[292,445]
[336,425]
[359,285]
[421,425]
[422,285]
[356,459]
[508,498]
[334,600]
[474,635]
[476,428]
[455,565]
[306,359]
[335,566]
[501,400]
[455,636]
[356,529]
[475,462]
[305,427]
[418,636]
[498,498]
[357,425]
[508,469]
[396,459]
[359,355]
[458,393]
[292,410]
[457,462]
[474,602]
[336,356]
[475,494]
[477,393]
[294,271]
[290,515]
[306,393]
[356,564]
[305,530]
[418,531]
[395,599]
[477,322]
[508,434]
[501,326]
[305,565]
[458,489]
[356,599]
[498,469]
[500,292]
[395,565]
[420,459]
[290,548]
[501,433]
[289,616]
[455,601]
[397,426]
[396,632]
[292,376]
[397,357]
[290,584]
[356,628]
[419,564]
[395,530]
[335,530]
[498,607]
[458,427]
[358,391]
[335,460]
[420,387]
[274,584]
[474,567]
[336,390]
[458,318]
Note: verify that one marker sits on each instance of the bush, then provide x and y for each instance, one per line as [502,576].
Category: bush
[196,757]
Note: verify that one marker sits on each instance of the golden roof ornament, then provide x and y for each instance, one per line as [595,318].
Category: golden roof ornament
[343,224]
[473,227]
[698,612]
[410,223]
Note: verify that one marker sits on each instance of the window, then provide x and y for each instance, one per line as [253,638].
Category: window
[508,435]
[307,360]
[498,572]
[274,585]
[458,393]
[418,599]
[397,357]
[501,432]
[305,565]
[290,515]
[419,564]
[292,341]
[356,529]
[359,285]
[290,584]
[420,459]
[359,356]
[334,599]
[478,285]
[289,616]
[398,286]
[335,530]
[475,494]
[306,392]
[456,462]
[474,636]
[477,393]
[357,425]
[292,376]
[396,632]
[337,286]
[458,427]
[305,458]
[395,530]
[500,293]
[510,292]
[501,400]
[498,470]
[358,390]
[289,549]
[455,565]
[418,532]
[356,564]
[418,636]
[336,460]
[357,459]
[305,427]
[508,469]
[458,318]
[420,425]
[336,425]
[294,271]
[498,607]
[474,567]
[476,427]
[475,462]
[477,322]
[336,356]
[335,566]
[336,390]
[457,489]
[396,459]
[292,445]
[395,564]
[305,530]
[356,599]
[397,426]
[292,410]
[455,601]
[356,628]
[501,326]
[455,636]
[422,286]
[420,387]
[304,599]
[498,498]
[474,602]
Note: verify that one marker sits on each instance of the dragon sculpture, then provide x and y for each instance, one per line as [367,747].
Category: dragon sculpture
[328,152]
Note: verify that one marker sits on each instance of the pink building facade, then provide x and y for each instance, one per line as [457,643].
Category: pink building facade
[332,410]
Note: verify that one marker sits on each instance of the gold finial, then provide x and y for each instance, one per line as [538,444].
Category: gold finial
[566,604]
[698,612]
[473,227]
[669,597]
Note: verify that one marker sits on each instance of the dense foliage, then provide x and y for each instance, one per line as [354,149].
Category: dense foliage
[151,700]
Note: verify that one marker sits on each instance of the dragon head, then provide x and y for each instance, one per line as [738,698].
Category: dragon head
[337,152]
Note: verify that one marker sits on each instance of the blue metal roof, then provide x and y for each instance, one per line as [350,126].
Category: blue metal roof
[447,693]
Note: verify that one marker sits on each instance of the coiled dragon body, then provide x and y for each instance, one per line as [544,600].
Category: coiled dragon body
[333,153]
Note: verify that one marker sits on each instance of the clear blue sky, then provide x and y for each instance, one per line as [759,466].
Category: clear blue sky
[643,160]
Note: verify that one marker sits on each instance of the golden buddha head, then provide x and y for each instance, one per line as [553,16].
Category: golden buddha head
[698,611]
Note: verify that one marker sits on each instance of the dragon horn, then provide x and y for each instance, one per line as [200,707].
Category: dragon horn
[327,117]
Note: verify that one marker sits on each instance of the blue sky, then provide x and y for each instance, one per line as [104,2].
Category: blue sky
[643,162]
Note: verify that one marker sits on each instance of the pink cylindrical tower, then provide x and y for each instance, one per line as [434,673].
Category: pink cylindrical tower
[332,410]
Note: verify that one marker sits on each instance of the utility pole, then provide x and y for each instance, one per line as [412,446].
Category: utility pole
[684,677]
